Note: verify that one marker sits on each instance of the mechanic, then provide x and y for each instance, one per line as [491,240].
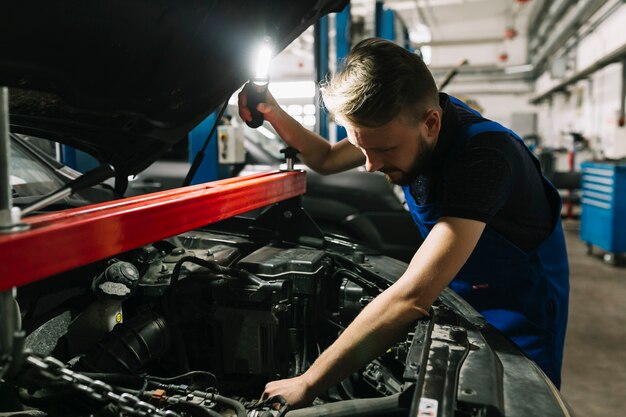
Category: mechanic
[491,221]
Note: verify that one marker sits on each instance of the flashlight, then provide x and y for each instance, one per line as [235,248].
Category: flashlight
[257,86]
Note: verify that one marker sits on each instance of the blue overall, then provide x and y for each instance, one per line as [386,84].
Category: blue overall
[522,294]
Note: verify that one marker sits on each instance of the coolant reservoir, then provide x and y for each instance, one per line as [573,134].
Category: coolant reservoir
[111,288]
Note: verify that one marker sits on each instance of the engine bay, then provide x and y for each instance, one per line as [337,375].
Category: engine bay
[197,324]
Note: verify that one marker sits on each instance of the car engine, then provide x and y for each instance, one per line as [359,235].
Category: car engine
[197,325]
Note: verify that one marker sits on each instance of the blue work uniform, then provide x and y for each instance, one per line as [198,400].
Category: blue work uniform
[522,293]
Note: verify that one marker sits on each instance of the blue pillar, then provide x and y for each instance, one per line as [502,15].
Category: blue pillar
[208,169]
[384,23]
[406,39]
[342,47]
[321,69]
[78,160]
[342,40]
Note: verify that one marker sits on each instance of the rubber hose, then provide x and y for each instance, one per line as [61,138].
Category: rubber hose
[194,410]
[234,404]
[361,407]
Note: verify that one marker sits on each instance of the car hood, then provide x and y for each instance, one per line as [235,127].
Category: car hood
[124,80]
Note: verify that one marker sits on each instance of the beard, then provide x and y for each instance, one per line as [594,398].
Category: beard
[421,164]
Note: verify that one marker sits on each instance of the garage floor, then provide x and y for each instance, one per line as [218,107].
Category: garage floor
[594,368]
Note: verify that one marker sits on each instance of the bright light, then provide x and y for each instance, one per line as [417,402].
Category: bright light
[262,64]
[294,109]
[292,89]
[420,33]
[427,54]
[285,90]
[309,121]
[309,109]
[266,132]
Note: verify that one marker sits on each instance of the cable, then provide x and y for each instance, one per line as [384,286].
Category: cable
[361,407]
[185,375]
[193,409]
[200,155]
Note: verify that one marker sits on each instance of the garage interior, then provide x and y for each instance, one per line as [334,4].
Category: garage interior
[554,72]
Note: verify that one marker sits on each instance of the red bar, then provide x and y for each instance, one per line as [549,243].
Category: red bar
[71,238]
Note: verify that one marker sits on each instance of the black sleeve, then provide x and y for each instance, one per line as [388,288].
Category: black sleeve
[477,184]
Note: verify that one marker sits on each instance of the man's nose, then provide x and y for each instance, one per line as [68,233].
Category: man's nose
[372,164]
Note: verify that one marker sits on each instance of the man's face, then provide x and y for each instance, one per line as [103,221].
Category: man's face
[400,149]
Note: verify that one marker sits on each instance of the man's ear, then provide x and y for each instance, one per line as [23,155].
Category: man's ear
[432,123]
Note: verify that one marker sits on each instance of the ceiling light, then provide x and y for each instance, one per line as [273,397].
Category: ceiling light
[516,69]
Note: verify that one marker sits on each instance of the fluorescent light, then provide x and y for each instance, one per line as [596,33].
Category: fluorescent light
[294,109]
[516,69]
[309,120]
[309,109]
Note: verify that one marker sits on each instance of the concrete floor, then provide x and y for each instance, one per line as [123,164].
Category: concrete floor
[594,368]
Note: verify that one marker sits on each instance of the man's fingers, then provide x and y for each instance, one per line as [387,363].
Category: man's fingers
[264,108]
[242,102]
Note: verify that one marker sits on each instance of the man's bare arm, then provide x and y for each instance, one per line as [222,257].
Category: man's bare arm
[315,151]
[390,315]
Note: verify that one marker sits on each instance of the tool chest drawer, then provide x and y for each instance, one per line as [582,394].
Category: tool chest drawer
[603,219]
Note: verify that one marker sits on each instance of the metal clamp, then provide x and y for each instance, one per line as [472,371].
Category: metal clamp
[290,157]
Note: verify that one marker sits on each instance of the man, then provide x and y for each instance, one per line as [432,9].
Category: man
[491,222]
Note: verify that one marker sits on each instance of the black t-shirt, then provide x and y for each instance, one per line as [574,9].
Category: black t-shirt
[492,178]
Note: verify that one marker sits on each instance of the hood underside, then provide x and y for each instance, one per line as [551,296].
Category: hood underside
[124,80]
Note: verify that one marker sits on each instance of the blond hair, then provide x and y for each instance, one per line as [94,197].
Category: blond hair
[379,81]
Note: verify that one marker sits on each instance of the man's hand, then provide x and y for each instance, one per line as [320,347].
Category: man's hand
[269,107]
[296,391]
[315,151]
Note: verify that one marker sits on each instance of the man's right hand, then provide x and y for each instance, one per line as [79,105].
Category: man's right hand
[314,150]
[269,107]
[296,391]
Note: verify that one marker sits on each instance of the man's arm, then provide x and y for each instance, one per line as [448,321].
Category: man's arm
[315,151]
[390,315]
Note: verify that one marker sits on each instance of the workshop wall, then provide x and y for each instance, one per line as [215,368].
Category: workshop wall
[591,106]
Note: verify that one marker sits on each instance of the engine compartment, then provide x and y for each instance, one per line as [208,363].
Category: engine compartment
[197,324]
[199,317]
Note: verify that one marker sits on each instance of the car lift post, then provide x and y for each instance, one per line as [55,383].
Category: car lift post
[9,215]
[9,222]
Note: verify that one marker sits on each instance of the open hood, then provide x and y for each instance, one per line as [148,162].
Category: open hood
[124,80]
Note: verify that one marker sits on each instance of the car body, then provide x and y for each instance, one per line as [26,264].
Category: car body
[35,174]
[143,311]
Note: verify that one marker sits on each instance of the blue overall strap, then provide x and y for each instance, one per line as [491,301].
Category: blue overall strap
[522,294]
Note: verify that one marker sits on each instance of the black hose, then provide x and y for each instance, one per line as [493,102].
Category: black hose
[194,410]
[234,404]
[191,374]
[361,407]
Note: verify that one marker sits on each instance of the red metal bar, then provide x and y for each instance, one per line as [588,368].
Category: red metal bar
[71,238]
